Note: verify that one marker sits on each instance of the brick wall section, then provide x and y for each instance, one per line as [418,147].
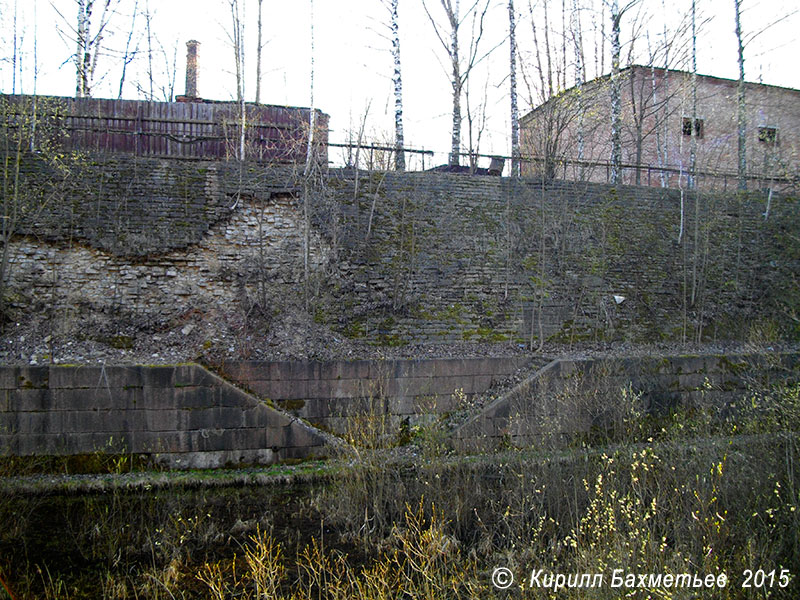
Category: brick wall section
[329,394]
[423,257]
[569,396]
[183,415]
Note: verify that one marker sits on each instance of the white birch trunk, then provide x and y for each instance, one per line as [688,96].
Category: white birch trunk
[258,56]
[515,151]
[455,142]
[80,51]
[616,110]
[693,131]
[399,142]
[741,116]
[578,40]
[311,115]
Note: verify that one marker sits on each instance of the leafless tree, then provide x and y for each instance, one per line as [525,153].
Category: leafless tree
[129,54]
[616,107]
[555,110]
[237,39]
[88,36]
[461,66]
[259,46]
[399,142]
[512,39]
[741,115]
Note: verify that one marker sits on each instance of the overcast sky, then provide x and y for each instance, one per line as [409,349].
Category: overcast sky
[353,65]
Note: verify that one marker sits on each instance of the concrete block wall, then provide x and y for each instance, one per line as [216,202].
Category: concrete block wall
[567,397]
[183,416]
[331,394]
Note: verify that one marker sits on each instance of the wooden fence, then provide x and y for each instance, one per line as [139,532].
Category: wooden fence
[203,130]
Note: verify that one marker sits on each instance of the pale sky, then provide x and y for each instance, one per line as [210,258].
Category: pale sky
[353,65]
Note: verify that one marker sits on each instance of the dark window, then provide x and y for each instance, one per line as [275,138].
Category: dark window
[687,127]
[768,135]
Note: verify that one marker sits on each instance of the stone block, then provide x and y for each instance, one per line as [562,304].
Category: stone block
[404,369]
[294,371]
[159,420]
[43,444]
[8,378]
[33,377]
[284,389]
[161,398]
[257,416]
[230,396]
[78,377]
[9,443]
[298,436]
[9,423]
[196,398]
[158,377]
[196,419]
[261,387]
[83,421]
[193,375]
[341,369]
[24,400]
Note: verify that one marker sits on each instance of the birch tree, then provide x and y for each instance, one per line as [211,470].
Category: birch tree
[577,39]
[512,39]
[88,35]
[259,46]
[694,128]
[460,66]
[397,80]
[740,112]
[237,39]
[307,171]
[616,104]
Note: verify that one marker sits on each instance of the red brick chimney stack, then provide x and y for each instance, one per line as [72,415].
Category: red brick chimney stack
[191,68]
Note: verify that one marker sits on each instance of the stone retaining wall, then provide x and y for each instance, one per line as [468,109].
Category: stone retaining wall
[571,396]
[183,416]
[409,257]
[333,394]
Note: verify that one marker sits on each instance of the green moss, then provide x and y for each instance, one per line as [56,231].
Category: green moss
[484,334]
[354,330]
[392,340]
[296,404]
[120,342]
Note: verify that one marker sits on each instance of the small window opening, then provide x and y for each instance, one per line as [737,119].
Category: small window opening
[687,127]
[768,135]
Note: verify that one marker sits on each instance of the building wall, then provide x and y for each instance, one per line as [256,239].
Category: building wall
[659,95]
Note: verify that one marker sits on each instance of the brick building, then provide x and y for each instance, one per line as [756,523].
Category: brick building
[569,136]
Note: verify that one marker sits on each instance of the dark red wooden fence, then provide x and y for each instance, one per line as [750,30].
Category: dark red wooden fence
[204,130]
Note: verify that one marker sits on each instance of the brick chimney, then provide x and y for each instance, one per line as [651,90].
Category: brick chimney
[191,68]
